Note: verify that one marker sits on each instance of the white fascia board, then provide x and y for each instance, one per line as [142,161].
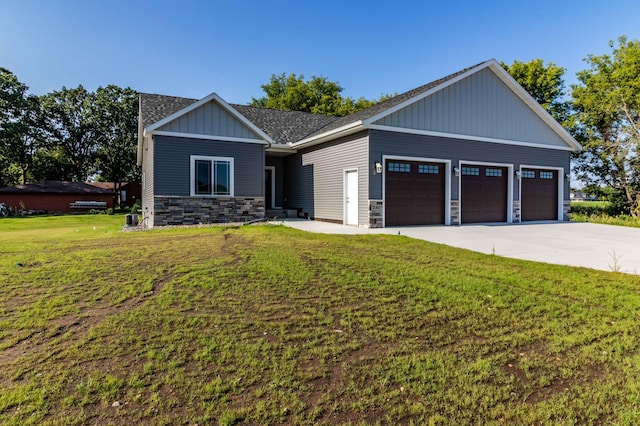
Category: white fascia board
[423,95]
[207,137]
[466,137]
[533,104]
[331,134]
[212,97]
[278,147]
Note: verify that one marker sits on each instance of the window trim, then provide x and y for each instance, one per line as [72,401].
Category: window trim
[212,159]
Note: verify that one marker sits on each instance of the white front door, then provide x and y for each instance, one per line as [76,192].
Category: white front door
[351,197]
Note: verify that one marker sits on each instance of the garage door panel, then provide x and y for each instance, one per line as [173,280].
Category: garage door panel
[484,194]
[539,194]
[414,193]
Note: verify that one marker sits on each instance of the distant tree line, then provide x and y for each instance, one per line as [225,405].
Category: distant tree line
[69,134]
[72,134]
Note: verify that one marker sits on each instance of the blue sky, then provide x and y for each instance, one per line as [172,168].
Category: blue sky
[192,48]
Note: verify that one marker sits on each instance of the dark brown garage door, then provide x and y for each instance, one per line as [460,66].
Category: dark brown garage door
[414,193]
[484,194]
[539,198]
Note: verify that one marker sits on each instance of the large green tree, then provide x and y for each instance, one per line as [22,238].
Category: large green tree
[71,127]
[115,116]
[545,83]
[318,95]
[607,102]
[13,107]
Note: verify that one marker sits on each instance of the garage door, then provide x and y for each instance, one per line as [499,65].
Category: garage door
[414,193]
[539,197]
[483,194]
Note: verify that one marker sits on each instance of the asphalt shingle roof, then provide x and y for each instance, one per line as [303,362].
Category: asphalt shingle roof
[56,187]
[284,126]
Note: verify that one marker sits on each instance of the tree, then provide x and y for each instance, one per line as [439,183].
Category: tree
[70,126]
[607,101]
[19,136]
[318,96]
[544,83]
[116,120]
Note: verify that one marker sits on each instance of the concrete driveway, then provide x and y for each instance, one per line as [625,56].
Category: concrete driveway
[591,245]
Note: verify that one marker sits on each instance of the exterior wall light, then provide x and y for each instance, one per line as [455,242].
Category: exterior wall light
[378,166]
[567,176]
[456,171]
[518,175]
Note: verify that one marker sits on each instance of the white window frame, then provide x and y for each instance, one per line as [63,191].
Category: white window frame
[192,175]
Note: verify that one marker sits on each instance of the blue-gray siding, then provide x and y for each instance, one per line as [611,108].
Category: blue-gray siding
[314,179]
[478,105]
[172,164]
[401,144]
[210,119]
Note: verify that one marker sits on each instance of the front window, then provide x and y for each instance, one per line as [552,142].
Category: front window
[211,176]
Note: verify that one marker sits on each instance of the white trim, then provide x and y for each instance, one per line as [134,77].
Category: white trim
[345,194]
[509,167]
[212,97]
[447,183]
[331,134]
[278,147]
[192,162]
[272,169]
[561,178]
[465,137]
[207,137]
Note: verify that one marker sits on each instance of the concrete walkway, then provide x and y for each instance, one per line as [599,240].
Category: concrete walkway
[591,245]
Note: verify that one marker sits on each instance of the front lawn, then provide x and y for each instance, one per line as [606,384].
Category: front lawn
[269,325]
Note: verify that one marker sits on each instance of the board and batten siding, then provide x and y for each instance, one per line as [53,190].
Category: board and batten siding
[314,178]
[172,157]
[478,105]
[210,119]
[402,144]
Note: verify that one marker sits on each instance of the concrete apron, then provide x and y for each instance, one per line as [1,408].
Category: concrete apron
[603,247]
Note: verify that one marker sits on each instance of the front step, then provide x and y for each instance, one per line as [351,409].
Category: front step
[281,213]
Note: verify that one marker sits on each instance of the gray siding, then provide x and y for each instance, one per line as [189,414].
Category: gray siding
[278,163]
[315,178]
[147,184]
[210,119]
[172,164]
[392,143]
[479,105]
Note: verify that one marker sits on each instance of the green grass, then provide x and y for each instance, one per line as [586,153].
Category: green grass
[599,212]
[269,325]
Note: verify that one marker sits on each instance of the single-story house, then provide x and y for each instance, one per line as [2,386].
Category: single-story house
[57,196]
[130,192]
[471,147]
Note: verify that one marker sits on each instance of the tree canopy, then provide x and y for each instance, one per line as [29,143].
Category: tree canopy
[319,95]
[607,104]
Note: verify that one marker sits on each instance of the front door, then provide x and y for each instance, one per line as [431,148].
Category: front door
[351,197]
[268,188]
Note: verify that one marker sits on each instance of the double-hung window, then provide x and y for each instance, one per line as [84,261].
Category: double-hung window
[211,176]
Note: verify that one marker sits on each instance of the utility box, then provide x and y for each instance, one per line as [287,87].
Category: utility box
[132,220]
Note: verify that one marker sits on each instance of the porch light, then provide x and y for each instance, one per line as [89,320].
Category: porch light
[456,171]
[378,167]
[567,176]
[518,174]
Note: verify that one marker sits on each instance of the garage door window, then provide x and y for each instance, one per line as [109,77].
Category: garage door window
[428,169]
[546,175]
[493,172]
[528,174]
[399,167]
[471,171]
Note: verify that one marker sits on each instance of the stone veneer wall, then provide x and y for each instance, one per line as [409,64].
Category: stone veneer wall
[375,213]
[196,210]
[566,209]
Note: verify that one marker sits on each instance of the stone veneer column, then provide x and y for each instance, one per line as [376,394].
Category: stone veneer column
[375,213]
[566,209]
[516,211]
[455,212]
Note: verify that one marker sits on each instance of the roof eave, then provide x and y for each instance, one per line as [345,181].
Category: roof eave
[332,134]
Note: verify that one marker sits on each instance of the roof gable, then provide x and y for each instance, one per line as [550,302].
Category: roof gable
[210,118]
